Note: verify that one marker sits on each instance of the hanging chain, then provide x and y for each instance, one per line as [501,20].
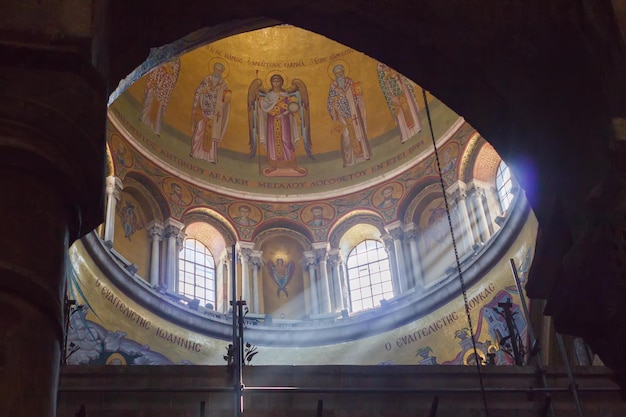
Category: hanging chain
[456,254]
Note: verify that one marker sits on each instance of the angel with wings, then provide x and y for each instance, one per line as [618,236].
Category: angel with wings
[281,274]
[279,118]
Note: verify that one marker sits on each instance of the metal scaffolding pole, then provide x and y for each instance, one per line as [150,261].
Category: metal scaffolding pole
[237,372]
[531,333]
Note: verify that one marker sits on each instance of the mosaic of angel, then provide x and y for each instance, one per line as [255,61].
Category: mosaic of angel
[161,82]
[281,273]
[278,119]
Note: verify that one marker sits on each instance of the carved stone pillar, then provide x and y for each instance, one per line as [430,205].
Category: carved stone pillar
[411,234]
[155,231]
[228,263]
[344,284]
[244,251]
[473,215]
[256,261]
[113,187]
[52,161]
[321,252]
[311,263]
[463,232]
[397,234]
[393,262]
[335,262]
[482,215]
[174,237]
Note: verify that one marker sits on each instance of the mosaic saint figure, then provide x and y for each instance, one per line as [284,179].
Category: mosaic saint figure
[161,82]
[278,119]
[318,219]
[244,218]
[388,200]
[347,110]
[281,273]
[131,221]
[437,227]
[401,100]
[209,114]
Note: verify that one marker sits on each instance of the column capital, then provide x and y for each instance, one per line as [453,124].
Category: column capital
[173,227]
[155,230]
[309,258]
[113,186]
[227,254]
[395,230]
[321,250]
[335,257]
[256,258]
[457,188]
[387,240]
[244,250]
[411,231]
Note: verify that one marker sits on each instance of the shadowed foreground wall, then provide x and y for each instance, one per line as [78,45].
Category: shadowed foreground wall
[178,391]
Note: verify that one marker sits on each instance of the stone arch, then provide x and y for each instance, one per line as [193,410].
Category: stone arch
[160,207]
[274,224]
[347,222]
[216,221]
[301,238]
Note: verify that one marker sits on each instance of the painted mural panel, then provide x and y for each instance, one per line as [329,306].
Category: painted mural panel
[288,118]
[283,278]
[131,236]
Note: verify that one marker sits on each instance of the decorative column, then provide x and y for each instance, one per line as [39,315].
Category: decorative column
[321,252]
[464,231]
[473,216]
[174,238]
[52,176]
[391,254]
[256,261]
[113,187]
[481,218]
[311,263]
[344,284]
[335,263]
[155,232]
[244,250]
[411,234]
[397,234]
[228,262]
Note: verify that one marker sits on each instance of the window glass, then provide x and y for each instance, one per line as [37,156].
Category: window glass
[369,277]
[196,275]
[504,186]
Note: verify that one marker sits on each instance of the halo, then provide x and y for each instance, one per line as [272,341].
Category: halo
[186,194]
[269,76]
[117,356]
[329,69]
[214,61]
[393,185]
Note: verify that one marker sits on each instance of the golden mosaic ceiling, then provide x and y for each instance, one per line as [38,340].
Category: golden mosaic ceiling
[278,112]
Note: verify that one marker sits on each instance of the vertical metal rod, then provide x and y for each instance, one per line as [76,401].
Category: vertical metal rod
[531,333]
[236,348]
[570,376]
[202,409]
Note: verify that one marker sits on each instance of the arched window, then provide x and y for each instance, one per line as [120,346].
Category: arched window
[196,272]
[369,275]
[504,185]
